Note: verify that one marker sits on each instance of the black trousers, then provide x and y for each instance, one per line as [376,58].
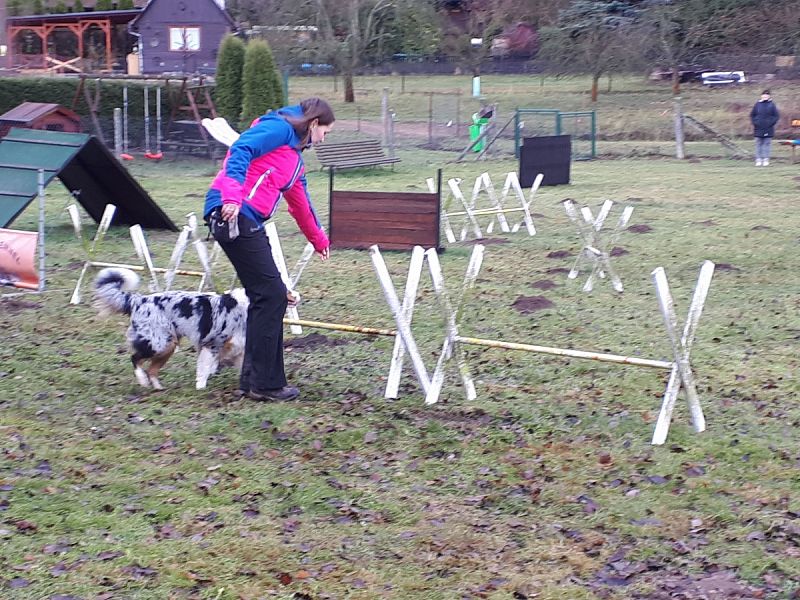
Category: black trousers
[251,256]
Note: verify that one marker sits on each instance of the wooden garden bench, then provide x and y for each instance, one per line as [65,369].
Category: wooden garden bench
[356,153]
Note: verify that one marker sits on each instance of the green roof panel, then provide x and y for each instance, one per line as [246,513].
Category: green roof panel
[86,168]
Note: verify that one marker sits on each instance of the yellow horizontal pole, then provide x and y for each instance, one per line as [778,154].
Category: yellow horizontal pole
[141,268]
[613,358]
[340,327]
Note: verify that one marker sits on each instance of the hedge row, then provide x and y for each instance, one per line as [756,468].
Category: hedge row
[16,90]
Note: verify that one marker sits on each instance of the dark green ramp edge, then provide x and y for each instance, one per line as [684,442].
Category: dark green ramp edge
[85,167]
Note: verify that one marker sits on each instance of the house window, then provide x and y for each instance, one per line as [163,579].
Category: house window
[182,39]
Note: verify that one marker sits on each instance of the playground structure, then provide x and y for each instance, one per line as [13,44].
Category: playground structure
[188,103]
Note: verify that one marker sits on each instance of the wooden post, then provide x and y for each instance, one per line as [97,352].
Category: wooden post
[430,118]
[458,113]
[678,117]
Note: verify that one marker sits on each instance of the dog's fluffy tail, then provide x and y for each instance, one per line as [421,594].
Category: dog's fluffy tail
[112,290]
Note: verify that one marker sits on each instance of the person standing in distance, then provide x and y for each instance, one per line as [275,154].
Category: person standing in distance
[262,167]
[764,116]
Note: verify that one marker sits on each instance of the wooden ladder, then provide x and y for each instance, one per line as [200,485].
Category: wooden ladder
[722,139]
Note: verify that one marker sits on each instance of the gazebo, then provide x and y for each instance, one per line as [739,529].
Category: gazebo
[37,42]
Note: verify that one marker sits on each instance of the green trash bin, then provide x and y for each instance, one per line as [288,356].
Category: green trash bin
[475,130]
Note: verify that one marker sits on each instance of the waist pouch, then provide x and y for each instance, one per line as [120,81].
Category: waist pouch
[220,229]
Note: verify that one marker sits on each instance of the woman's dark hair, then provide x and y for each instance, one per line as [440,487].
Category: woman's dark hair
[313,108]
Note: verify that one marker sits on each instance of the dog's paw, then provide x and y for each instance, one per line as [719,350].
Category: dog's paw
[200,385]
[142,377]
[156,383]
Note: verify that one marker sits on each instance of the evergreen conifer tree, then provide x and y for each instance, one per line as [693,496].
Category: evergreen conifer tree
[228,88]
[259,76]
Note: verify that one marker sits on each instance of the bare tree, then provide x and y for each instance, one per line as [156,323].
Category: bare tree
[674,34]
[590,37]
[348,30]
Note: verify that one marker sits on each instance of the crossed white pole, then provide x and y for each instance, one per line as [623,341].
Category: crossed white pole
[596,249]
[497,209]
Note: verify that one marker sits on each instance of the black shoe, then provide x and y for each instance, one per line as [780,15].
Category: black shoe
[287,392]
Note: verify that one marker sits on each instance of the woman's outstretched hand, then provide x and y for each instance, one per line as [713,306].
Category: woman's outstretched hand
[229,212]
[325,254]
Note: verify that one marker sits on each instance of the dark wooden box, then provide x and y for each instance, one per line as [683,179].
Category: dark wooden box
[392,220]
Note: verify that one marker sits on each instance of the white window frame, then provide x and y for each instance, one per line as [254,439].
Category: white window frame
[184,38]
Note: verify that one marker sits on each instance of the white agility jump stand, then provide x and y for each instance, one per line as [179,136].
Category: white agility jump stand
[190,235]
[681,375]
[497,206]
[91,250]
[596,249]
[405,310]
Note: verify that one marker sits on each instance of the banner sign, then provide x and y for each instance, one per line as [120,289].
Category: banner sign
[18,258]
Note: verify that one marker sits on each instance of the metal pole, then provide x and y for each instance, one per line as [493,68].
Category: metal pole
[41,230]
[125,119]
[158,119]
[516,133]
[147,119]
[118,132]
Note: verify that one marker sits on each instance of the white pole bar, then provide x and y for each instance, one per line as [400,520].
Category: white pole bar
[205,261]
[280,262]
[470,207]
[445,219]
[687,340]
[452,316]
[410,295]
[302,263]
[598,356]
[403,328]
[177,254]
[140,245]
[102,264]
[681,358]
[104,225]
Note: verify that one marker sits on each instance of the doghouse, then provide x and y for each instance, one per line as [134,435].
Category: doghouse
[38,115]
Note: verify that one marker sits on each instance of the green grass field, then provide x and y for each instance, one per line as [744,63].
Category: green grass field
[544,487]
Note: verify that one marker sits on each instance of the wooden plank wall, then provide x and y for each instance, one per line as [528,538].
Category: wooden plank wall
[392,220]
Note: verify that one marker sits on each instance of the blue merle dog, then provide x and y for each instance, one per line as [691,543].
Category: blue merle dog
[215,324]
